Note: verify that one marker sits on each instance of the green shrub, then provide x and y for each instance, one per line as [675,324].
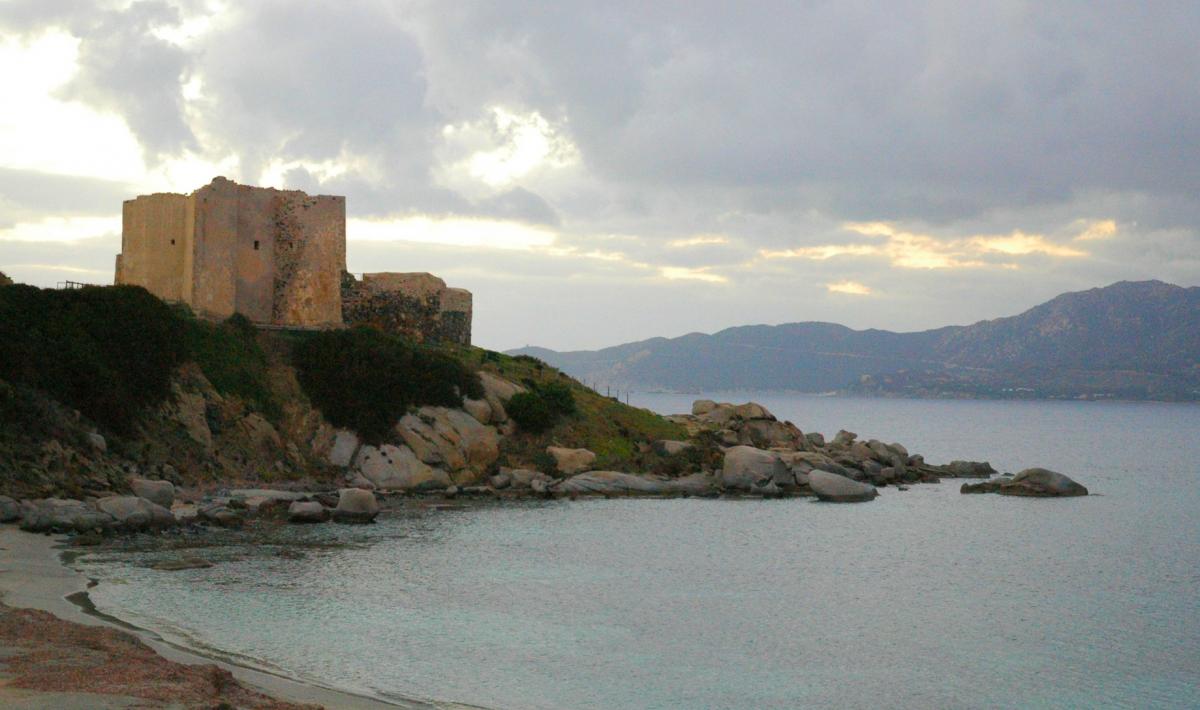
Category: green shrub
[558,396]
[365,380]
[106,351]
[540,408]
[531,412]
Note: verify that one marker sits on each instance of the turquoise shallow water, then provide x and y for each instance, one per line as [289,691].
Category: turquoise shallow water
[925,598]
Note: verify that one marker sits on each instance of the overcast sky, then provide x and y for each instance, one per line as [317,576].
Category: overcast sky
[604,172]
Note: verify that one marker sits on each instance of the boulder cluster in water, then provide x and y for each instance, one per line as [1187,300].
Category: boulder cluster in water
[765,456]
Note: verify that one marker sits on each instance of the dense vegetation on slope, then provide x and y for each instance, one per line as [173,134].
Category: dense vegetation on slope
[111,351]
[1131,339]
[365,380]
[108,352]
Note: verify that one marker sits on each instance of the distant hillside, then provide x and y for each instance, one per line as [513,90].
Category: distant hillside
[1132,340]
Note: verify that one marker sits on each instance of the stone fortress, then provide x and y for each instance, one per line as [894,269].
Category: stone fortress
[277,257]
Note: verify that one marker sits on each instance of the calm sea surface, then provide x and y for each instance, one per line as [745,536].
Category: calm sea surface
[919,599]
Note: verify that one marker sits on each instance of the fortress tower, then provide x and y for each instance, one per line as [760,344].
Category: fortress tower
[275,256]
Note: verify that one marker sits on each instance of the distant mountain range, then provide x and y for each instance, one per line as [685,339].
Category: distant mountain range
[1130,340]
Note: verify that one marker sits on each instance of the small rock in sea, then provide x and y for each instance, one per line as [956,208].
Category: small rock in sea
[307,512]
[222,516]
[181,564]
[839,489]
[355,505]
[970,469]
[1032,482]
[902,488]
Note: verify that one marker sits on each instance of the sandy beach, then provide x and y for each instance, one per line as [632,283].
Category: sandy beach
[55,655]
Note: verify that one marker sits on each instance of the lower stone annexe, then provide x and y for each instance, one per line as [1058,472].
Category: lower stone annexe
[418,306]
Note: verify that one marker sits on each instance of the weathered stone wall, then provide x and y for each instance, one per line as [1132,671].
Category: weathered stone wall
[215,271]
[156,245]
[275,256]
[418,306]
[310,256]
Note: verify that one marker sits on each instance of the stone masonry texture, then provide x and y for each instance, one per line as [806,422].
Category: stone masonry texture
[417,306]
[275,256]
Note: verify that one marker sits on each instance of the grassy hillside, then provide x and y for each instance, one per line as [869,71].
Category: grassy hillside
[613,430]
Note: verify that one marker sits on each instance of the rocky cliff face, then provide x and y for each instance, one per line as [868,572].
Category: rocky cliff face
[196,437]
[441,446]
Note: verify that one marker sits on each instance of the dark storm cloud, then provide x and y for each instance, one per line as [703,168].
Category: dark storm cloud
[769,124]
[895,110]
[882,111]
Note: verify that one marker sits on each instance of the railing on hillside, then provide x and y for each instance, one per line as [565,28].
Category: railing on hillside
[609,391]
[63,285]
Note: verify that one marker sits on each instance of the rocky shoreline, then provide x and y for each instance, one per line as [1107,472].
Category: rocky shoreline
[732,450]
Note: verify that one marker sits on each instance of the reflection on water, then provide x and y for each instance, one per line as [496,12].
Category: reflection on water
[924,598]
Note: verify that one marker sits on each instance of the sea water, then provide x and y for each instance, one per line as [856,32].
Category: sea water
[923,598]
